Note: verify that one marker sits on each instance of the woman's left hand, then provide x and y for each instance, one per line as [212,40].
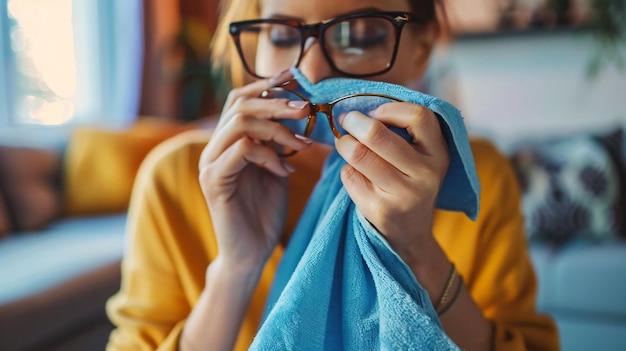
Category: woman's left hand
[394,183]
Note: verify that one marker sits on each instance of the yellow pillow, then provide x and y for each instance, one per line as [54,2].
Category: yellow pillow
[100,165]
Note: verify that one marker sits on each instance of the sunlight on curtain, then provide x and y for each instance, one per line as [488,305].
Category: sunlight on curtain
[67,63]
[43,44]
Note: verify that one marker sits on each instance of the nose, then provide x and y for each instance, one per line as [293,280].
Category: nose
[313,63]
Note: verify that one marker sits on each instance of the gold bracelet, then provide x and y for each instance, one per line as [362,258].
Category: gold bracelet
[442,300]
[454,298]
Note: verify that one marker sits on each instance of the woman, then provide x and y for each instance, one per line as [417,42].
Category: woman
[194,281]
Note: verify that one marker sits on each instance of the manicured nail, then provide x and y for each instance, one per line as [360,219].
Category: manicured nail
[298,105]
[340,118]
[303,138]
[373,112]
[280,77]
[288,167]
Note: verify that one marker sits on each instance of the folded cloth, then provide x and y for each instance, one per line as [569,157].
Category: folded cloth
[340,286]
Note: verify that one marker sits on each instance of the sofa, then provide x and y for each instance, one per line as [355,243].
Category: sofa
[574,200]
[54,284]
[579,274]
[582,287]
[57,272]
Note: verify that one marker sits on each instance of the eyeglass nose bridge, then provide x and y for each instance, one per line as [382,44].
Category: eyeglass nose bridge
[327,109]
[315,31]
[311,31]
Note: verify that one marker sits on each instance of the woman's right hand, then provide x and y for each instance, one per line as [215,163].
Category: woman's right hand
[243,179]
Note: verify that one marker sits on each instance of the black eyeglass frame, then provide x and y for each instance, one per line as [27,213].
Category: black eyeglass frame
[316,30]
[314,109]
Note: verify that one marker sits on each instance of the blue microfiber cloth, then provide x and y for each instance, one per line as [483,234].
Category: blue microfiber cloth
[340,286]
[460,189]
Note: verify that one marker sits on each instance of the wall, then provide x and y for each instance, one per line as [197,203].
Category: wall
[512,87]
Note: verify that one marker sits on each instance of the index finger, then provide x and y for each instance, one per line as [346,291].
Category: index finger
[255,88]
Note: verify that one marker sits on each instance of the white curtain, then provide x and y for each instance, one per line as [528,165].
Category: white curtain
[107,44]
[124,38]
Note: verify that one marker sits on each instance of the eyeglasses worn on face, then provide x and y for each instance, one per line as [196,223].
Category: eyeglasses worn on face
[355,45]
[334,111]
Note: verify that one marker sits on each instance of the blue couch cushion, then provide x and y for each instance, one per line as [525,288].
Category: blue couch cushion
[34,261]
[591,278]
[582,278]
[542,257]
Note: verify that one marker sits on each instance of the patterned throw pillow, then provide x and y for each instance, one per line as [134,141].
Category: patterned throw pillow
[571,188]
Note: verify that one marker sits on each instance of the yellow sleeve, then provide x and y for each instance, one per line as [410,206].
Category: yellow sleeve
[492,256]
[170,244]
[168,249]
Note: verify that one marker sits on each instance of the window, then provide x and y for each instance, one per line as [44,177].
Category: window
[68,63]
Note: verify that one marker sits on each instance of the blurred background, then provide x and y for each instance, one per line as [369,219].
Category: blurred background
[520,68]
[68,63]
[89,87]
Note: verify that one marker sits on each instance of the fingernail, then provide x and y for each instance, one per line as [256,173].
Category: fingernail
[347,118]
[303,138]
[373,112]
[340,118]
[280,77]
[298,105]
[353,123]
[288,167]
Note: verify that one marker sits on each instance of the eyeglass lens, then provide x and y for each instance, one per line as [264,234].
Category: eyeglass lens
[361,45]
[364,103]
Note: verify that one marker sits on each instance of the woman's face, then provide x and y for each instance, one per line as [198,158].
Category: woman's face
[413,50]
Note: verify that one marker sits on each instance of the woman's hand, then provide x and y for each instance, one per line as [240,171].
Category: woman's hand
[244,183]
[242,177]
[395,183]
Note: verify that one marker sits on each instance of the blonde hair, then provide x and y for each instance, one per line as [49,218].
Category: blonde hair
[223,51]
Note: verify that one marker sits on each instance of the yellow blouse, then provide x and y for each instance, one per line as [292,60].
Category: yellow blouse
[171,243]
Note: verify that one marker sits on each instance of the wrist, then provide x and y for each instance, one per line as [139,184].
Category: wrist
[430,265]
[226,296]
[449,299]
[242,277]
[424,254]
